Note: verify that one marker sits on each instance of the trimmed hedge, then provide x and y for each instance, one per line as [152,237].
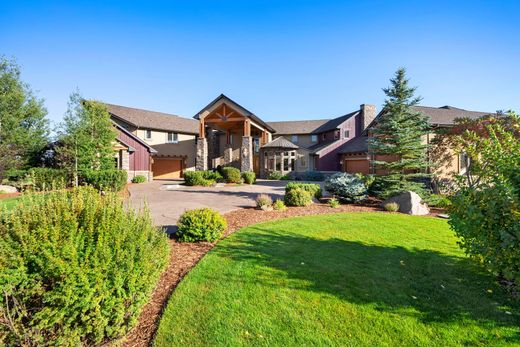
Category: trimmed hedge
[249,177]
[231,174]
[106,180]
[202,224]
[44,179]
[313,188]
[298,197]
[201,178]
[77,268]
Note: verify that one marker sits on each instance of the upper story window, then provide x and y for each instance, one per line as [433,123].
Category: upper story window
[347,134]
[314,138]
[324,136]
[173,138]
[294,138]
[336,134]
[464,162]
[147,134]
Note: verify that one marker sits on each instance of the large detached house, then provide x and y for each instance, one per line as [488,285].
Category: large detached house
[224,133]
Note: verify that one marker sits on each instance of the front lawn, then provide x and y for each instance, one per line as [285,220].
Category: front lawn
[342,279]
[9,203]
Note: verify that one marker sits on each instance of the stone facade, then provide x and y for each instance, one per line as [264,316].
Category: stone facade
[202,154]
[228,155]
[246,154]
[125,160]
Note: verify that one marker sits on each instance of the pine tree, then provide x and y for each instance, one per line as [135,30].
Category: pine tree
[397,142]
[87,136]
[23,127]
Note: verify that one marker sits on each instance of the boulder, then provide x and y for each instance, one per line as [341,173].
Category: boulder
[7,189]
[410,203]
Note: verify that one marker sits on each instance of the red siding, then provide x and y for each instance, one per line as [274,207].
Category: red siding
[140,158]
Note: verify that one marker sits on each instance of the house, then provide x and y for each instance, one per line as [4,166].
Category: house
[356,156]
[224,133]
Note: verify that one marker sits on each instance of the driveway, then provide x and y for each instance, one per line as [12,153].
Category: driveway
[167,200]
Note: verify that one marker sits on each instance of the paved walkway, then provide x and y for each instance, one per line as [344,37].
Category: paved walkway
[167,200]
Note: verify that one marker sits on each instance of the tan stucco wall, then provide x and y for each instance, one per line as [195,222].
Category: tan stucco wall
[303,140]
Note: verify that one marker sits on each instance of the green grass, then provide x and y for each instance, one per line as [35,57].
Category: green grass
[368,279]
[9,203]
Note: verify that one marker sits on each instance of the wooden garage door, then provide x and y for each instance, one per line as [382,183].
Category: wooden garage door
[357,166]
[167,168]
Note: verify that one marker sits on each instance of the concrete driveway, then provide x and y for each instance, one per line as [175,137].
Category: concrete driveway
[167,200]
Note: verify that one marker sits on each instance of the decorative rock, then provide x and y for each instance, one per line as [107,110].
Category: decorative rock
[7,189]
[409,203]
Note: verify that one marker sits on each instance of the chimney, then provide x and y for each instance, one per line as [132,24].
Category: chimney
[368,114]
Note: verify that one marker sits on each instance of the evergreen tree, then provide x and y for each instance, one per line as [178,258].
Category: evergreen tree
[397,144]
[87,136]
[23,128]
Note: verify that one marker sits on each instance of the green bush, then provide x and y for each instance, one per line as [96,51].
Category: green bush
[249,177]
[368,180]
[313,176]
[275,175]
[263,200]
[203,224]
[313,188]
[201,178]
[391,206]
[48,179]
[106,180]
[231,174]
[384,187]
[437,200]
[346,186]
[279,205]
[298,197]
[15,175]
[139,179]
[77,268]
[334,203]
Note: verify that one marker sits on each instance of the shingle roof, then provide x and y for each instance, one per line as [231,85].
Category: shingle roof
[335,123]
[446,115]
[356,145]
[153,120]
[280,142]
[319,146]
[298,126]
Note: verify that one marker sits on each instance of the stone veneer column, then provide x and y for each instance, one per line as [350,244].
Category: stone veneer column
[246,154]
[125,160]
[202,154]
[228,155]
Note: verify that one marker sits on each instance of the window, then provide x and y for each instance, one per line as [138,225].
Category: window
[147,134]
[314,138]
[336,134]
[173,138]
[294,138]
[324,136]
[303,162]
[347,134]
[464,162]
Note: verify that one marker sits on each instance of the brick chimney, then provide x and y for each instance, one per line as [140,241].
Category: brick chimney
[368,114]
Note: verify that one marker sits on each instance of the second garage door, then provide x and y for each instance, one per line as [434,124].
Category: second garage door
[167,168]
[357,166]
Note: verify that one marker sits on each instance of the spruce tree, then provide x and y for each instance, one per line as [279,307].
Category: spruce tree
[397,143]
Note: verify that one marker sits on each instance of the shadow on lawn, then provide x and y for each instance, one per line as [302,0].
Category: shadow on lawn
[431,286]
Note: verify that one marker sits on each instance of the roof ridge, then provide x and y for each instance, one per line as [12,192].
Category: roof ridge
[146,110]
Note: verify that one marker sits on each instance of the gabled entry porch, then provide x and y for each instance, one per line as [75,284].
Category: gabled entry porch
[230,135]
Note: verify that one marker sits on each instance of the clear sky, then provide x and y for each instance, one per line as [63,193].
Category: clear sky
[280,59]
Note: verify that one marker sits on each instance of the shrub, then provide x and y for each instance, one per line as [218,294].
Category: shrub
[279,205]
[201,178]
[314,176]
[139,179]
[298,197]
[391,206]
[437,200]
[368,180]
[263,200]
[77,268]
[231,174]
[334,203]
[48,179]
[385,187]
[249,177]
[275,175]
[346,186]
[202,224]
[312,188]
[15,175]
[106,180]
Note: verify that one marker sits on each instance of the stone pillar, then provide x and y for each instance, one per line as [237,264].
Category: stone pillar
[246,154]
[202,154]
[125,160]
[228,155]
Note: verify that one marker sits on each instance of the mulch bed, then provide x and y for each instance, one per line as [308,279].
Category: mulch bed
[9,195]
[184,256]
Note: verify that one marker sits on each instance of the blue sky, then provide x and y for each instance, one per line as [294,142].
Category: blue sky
[280,59]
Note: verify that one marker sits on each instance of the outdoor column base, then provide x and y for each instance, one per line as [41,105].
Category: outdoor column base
[201,163]
[246,154]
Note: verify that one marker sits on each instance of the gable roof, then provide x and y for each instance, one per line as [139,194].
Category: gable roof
[310,126]
[153,120]
[137,139]
[356,145]
[446,115]
[280,142]
[237,106]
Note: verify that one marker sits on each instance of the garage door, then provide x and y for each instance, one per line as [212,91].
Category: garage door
[357,166]
[167,168]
